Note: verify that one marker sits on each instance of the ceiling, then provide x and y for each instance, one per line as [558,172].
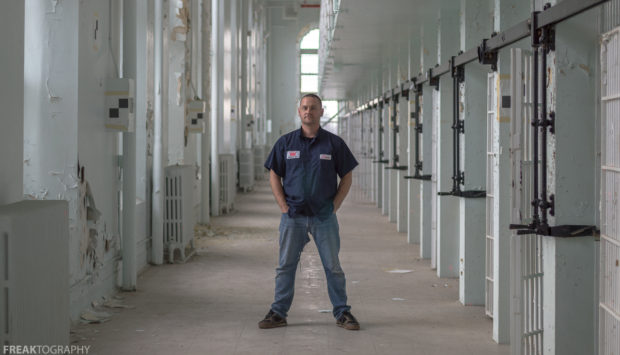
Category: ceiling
[369,35]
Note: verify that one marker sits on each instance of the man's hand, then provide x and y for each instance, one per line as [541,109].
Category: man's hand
[343,190]
[278,191]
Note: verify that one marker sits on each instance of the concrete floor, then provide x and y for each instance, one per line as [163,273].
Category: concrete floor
[212,303]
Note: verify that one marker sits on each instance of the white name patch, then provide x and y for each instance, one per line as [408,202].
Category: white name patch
[325,157]
[292,154]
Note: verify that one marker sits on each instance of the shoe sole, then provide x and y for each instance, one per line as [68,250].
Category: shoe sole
[271,326]
[348,327]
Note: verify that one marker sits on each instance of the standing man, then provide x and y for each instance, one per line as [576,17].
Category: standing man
[302,172]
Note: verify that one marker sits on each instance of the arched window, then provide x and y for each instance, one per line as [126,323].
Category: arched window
[309,63]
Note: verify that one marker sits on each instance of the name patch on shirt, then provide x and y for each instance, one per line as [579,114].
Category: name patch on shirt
[325,156]
[292,154]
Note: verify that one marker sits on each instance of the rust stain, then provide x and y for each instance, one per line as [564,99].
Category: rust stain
[585,68]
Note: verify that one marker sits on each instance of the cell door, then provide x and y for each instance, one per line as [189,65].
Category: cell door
[491,208]
[434,182]
[609,303]
[526,250]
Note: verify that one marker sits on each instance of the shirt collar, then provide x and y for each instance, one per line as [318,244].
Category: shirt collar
[318,133]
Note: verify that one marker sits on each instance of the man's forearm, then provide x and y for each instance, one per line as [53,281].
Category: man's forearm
[343,190]
[278,192]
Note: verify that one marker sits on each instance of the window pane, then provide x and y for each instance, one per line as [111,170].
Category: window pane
[331,108]
[309,64]
[309,83]
[310,40]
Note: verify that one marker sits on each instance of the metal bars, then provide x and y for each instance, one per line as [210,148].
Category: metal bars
[458,128]
[550,16]
[492,130]
[542,202]
[418,132]
[609,306]
[526,252]
[395,97]
[380,151]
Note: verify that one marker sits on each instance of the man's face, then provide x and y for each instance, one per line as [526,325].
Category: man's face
[310,111]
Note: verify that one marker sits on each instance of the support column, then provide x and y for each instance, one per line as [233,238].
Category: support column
[176,84]
[385,129]
[217,49]
[447,206]
[159,114]
[428,58]
[507,13]
[205,139]
[414,186]
[402,202]
[235,114]
[51,96]
[130,70]
[12,101]
[392,174]
[475,24]
[377,168]
[569,302]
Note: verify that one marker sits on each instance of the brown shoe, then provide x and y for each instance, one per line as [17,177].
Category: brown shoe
[272,320]
[347,321]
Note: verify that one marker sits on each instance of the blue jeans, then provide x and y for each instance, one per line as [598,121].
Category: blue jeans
[293,238]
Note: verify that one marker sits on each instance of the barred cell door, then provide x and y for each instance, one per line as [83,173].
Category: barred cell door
[525,250]
[609,305]
[492,167]
[434,182]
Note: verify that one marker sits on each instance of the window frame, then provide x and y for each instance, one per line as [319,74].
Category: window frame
[311,51]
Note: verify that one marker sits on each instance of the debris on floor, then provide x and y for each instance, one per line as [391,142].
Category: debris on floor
[116,304]
[325,311]
[398,299]
[204,230]
[91,316]
[399,271]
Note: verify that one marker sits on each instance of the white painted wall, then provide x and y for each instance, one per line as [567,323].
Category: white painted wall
[93,265]
[63,128]
[11,101]
[282,67]
[447,206]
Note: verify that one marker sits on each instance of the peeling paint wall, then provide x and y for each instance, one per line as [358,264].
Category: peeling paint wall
[71,49]
[95,241]
[51,96]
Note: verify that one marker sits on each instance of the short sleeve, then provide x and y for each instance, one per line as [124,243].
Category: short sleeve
[275,160]
[345,161]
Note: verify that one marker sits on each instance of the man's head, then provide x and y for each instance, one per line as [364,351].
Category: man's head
[310,109]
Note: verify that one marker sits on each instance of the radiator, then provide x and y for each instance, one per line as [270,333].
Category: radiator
[179,217]
[228,184]
[259,160]
[246,169]
[34,273]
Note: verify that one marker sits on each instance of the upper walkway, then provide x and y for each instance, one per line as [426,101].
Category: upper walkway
[212,303]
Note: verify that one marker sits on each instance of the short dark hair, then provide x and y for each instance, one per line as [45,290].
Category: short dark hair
[313,96]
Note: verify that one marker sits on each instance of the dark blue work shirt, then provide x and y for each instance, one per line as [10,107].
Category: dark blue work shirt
[308,167]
